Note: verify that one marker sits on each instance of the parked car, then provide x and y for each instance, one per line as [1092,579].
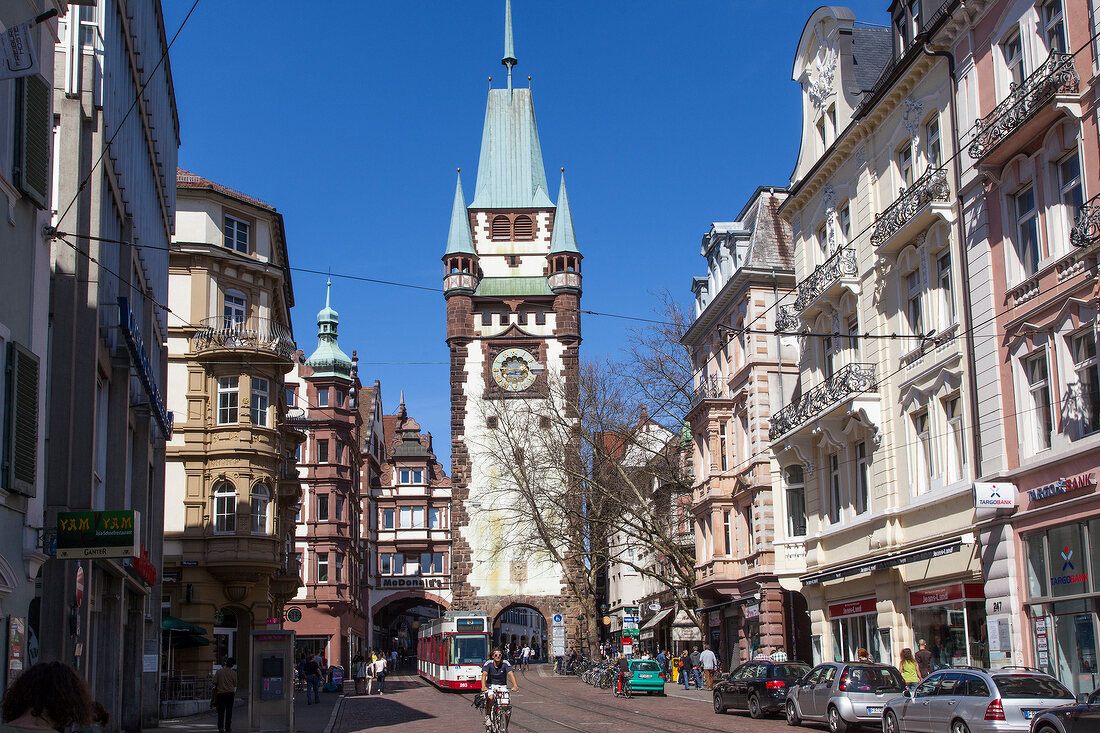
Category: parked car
[646,676]
[843,694]
[759,687]
[974,700]
[1080,717]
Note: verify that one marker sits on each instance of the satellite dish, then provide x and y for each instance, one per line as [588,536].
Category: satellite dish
[654,606]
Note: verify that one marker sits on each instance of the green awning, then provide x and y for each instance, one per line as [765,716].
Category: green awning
[175,625]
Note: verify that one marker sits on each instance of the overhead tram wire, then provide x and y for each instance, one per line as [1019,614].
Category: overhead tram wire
[118,127]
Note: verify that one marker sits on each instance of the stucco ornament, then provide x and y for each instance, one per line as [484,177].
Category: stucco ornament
[828,197]
[820,86]
[880,280]
[912,118]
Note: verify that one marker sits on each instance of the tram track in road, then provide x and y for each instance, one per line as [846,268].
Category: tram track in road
[609,712]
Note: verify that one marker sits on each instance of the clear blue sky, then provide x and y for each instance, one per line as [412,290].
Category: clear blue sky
[351,118]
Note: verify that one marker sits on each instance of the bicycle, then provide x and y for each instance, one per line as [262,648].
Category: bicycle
[623,690]
[502,708]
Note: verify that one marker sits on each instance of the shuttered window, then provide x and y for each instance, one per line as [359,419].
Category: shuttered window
[524,228]
[20,424]
[502,228]
[32,159]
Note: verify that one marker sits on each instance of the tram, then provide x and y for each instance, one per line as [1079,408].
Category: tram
[451,650]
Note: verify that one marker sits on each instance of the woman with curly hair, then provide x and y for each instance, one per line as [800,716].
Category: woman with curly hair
[47,696]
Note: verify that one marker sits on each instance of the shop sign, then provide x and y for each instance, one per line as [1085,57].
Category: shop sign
[994,495]
[411,583]
[144,368]
[861,607]
[1062,486]
[686,633]
[1069,569]
[97,534]
[144,569]
[1041,642]
[752,610]
[946,594]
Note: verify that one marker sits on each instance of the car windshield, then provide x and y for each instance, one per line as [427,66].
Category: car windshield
[787,671]
[646,666]
[1028,686]
[470,649]
[871,679]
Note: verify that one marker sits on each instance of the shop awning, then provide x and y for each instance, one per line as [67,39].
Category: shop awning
[889,560]
[661,615]
[731,602]
[173,624]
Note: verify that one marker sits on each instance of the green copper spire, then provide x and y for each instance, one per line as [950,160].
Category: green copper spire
[459,240]
[509,59]
[564,237]
[328,360]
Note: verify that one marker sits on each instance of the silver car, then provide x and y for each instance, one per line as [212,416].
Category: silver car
[973,700]
[843,694]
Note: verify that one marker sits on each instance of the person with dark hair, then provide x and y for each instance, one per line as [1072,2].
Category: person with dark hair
[47,696]
[225,685]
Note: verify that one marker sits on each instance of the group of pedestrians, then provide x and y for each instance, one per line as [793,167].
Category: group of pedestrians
[368,672]
[700,667]
[915,667]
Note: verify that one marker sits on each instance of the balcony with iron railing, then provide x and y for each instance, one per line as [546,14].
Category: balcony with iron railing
[1026,110]
[915,208]
[709,388]
[1086,230]
[254,335]
[836,274]
[849,381]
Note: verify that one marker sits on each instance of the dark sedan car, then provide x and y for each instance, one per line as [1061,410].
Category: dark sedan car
[759,687]
[1082,717]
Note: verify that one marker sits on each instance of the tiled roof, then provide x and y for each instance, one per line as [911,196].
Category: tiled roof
[186,179]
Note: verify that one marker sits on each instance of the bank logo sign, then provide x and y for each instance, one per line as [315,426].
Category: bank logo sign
[994,495]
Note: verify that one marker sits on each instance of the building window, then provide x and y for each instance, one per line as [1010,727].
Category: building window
[913,310]
[795,489]
[236,234]
[914,17]
[322,397]
[1070,193]
[853,338]
[844,219]
[831,346]
[412,517]
[823,242]
[831,114]
[322,451]
[260,396]
[322,507]
[322,567]
[863,479]
[411,475]
[922,429]
[339,567]
[501,228]
[261,500]
[1038,385]
[947,298]
[1087,389]
[1054,27]
[435,519]
[956,449]
[904,157]
[821,132]
[291,396]
[341,395]
[724,439]
[225,508]
[339,509]
[932,142]
[234,309]
[385,563]
[339,453]
[1027,231]
[834,497]
[727,531]
[387,518]
[1012,51]
[750,532]
[397,562]
[901,32]
[228,396]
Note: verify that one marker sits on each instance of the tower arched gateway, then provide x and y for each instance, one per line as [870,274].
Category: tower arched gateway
[512,283]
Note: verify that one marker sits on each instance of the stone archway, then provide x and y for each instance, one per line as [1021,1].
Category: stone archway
[539,604]
[409,594]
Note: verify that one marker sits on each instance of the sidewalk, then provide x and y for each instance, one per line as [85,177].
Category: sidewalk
[307,718]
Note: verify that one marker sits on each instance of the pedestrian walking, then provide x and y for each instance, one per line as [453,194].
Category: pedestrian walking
[924,659]
[910,673]
[48,695]
[662,661]
[311,669]
[392,662]
[380,674]
[709,662]
[358,672]
[684,665]
[225,689]
[695,668]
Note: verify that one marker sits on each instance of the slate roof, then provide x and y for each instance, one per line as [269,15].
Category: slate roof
[872,54]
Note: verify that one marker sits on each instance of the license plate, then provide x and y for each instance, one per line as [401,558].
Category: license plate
[1029,714]
[874,710]
[645,676]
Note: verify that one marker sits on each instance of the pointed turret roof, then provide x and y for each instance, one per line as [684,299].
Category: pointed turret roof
[328,360]
[564,237]
[459,240]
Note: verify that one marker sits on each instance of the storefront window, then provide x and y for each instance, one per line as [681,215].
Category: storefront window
[1036,566]
[1094,550]
[951,619]
[752,635]
[1075,636]
[1066,553]
[855,633]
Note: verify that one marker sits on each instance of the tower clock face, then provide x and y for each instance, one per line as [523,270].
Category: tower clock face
[512,369]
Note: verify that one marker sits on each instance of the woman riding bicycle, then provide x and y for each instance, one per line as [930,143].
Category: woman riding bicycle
[496,672]
[624,673]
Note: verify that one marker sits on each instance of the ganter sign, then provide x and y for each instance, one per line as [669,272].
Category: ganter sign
[97,534]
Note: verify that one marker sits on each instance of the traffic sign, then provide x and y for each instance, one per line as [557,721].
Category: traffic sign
[630,619]
[79,584]
[557,618]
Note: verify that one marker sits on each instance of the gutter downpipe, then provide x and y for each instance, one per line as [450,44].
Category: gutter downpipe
[963,261]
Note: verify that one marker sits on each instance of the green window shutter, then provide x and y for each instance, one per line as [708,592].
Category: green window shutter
[20,450]
[32,138]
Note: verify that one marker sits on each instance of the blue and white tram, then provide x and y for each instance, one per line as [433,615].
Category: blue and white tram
[452,650]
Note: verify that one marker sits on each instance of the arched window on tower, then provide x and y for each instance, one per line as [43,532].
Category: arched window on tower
[502,228]
[524,227]
[261,501]
[225,507]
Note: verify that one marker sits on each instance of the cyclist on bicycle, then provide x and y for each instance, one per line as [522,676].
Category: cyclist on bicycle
[624,673]
[495,672]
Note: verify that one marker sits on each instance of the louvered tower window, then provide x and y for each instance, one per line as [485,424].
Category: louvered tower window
[524,227]
[502,228]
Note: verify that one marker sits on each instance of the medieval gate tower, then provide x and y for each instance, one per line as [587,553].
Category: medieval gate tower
[512,284]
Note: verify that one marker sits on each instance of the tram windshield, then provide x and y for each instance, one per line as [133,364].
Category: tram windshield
[470,649]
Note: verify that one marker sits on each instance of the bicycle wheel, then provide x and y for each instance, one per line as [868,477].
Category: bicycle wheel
[627,693]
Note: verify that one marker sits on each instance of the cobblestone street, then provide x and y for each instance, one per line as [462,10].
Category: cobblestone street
[544,703]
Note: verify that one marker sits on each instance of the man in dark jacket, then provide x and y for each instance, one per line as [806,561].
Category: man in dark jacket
[924,659]
[695,668]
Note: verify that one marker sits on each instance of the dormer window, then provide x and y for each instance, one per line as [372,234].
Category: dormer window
[907,25]
[236,234]
[411,476]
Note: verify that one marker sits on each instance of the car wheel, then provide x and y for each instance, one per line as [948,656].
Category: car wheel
[837,724]
[792,714]
[890,724]
[718,706]
[958,726]
[754,707]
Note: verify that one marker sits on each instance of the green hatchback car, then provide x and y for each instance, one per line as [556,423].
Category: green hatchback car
[646,676]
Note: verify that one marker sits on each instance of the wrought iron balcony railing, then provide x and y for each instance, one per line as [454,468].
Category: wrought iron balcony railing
[932,186]
[1056,75]
[1086,230]
[841,263]
[850,380]
[254,334]
[787,319]
[708,389]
